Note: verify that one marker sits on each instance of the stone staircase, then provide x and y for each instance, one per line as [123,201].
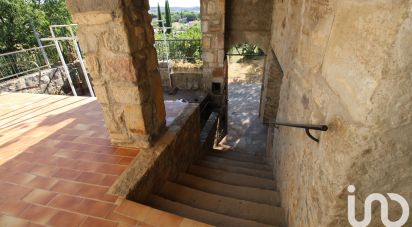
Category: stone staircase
[224,189]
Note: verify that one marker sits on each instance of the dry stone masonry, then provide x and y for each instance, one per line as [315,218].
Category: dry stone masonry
[118,38]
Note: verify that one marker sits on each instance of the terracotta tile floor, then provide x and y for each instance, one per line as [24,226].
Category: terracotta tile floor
[56,165]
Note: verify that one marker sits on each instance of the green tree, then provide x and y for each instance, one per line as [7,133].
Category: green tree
[159,15]
[15,30]
[168,17]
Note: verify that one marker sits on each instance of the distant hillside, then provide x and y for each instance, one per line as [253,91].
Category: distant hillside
[153,10]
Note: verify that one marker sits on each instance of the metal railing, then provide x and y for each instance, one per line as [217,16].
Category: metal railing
[307,128]
[12,65]
[188,50]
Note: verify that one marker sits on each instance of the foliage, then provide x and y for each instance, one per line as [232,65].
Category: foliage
[184,46]
[248,50]
[194,32]
[15,16]
[159,15]
[168,17]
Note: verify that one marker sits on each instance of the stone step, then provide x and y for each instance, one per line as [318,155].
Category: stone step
[243,164]
[205,216]
[235,169]
[257,195]
[238,156]
[232,178]
[257,212]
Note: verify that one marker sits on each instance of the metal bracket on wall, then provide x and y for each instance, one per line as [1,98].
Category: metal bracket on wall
[307,128]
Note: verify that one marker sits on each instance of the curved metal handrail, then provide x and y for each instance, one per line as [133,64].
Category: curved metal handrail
[307,128]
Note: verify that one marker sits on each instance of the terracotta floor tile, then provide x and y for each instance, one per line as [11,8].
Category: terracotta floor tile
[96,192]
[8,221]
[114,216]
[94,222]
[111,169]
[23,167]
[27,157]
[109,180]
[88,166]
[42,182]
[11,191]
[125,161]
[126,152]
[39,196]
[13,207]
[133,210]
[31,224]
[66,187]
[90,178]
[66,219]
[67,174]
[162,219]
[66,202]
[95,208]
[67,163]
[17,178]
[42,170]
[38,214]
[64,165]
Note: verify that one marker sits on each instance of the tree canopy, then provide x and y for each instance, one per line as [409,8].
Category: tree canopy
[15,16]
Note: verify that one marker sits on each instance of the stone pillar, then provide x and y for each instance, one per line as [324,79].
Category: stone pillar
[213,29]
[117,38]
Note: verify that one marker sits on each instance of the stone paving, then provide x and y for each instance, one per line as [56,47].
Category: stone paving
[246,133]
[57,164]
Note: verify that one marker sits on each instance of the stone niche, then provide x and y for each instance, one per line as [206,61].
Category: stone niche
[346,64]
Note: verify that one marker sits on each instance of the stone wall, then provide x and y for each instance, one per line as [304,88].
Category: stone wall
[171,155]
[117,38]
[50,81]
[248,22]
[213,28]
[346,64]
[184,76]
[272,80]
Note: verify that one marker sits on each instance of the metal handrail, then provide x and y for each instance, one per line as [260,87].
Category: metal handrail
[307,128]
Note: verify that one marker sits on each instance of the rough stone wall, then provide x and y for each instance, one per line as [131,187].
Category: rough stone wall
[49,81]
[213,28]
[346,64]
[183,78]
[117,38]
[272,80]
[248,21]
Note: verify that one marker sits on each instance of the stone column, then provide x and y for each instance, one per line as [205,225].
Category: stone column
[117,38]
[213,29]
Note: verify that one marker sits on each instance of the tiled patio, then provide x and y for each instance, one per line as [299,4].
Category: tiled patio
[56,165]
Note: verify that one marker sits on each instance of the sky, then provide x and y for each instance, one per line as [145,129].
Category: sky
[175,3]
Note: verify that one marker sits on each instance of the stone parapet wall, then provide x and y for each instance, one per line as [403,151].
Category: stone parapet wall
[346,64]
[171,155]
[184,78]
[50,81]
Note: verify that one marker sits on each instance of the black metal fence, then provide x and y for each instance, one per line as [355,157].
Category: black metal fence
[189,50]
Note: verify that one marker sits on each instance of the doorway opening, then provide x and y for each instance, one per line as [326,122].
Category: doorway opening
[246,133]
